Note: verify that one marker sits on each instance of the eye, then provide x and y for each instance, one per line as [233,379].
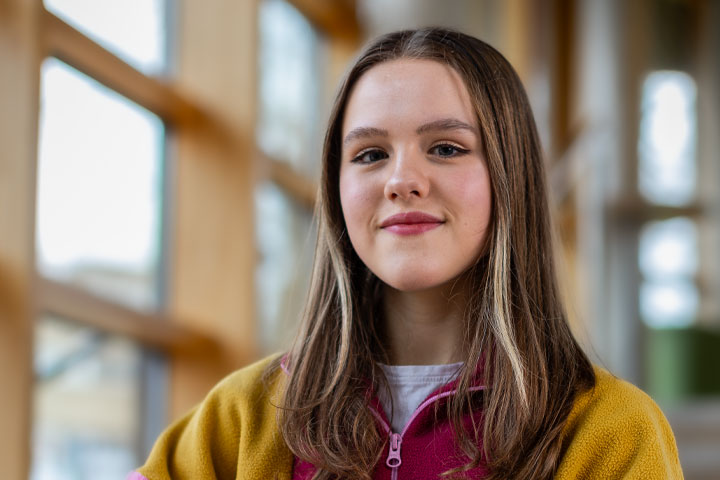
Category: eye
[369,156]
[447,150]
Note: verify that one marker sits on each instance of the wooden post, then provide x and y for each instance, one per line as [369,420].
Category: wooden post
[19,86]
[212,252]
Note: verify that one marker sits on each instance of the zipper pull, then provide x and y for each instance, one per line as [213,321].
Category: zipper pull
[393,459]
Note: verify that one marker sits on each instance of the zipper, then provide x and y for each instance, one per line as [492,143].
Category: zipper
[394,459]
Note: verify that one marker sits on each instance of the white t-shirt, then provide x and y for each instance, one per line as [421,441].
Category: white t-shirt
[409,386]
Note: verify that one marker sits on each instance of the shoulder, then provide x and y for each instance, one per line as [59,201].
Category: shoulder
[615,430]
[248,384]
[232,433]
[245,401]
[613,403]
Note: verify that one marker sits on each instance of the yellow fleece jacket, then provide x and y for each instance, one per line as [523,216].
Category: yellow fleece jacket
[614,431]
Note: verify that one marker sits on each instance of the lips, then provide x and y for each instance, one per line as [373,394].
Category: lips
[411,223]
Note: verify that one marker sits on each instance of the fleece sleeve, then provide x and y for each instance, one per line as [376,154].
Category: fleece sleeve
[232,434]
[616,431]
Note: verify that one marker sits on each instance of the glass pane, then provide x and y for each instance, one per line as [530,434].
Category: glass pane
[99,188]
[286,241]
[672,303]
[86,405]
[290,86]
[134,30]
[669,249]
[668,138]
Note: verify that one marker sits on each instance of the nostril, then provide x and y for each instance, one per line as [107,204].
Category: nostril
[405,187]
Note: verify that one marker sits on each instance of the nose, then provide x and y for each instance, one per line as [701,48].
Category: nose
[408,178]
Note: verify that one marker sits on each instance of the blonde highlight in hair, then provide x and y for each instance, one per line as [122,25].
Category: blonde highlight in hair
[502,325]
[515,327]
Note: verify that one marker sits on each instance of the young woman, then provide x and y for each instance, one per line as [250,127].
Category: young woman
[434,343]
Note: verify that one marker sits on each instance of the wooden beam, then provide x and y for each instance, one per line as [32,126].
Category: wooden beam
[212,241]
[151,330]
[19,87]
[517,19]
[300,189]
[336,18]
[74,48]
[638,212]
[563,80]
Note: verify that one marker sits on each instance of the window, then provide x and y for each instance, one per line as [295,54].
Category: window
[669,263]
[285,238]
[82,374]
[667,138]
[134,30]
[95,304]
[99,230]
[288,132]
[673,304]
[99,188]
[667,166]
[291,81]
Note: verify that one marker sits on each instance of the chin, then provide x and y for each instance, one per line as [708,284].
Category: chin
[413,281]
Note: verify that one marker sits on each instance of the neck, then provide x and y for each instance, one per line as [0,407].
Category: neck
[425,327]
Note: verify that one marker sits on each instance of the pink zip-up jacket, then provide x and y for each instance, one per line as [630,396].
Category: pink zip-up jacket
[425,448]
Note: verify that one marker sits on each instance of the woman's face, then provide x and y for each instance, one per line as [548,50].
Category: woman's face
[414,186]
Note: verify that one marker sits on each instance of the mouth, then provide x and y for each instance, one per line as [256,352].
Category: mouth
[411,223]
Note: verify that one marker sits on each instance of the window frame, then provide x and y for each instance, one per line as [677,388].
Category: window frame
[205,133]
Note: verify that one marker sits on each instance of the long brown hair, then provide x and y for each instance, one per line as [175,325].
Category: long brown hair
[533,367]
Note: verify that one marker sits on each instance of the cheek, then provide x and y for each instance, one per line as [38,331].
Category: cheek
[475,201]
[355,198]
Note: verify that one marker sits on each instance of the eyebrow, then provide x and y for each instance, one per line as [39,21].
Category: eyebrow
[364,132]
[443,124]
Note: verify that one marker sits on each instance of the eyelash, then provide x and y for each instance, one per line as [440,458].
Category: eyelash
[458,151]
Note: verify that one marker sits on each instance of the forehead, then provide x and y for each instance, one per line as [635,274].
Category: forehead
[407,92]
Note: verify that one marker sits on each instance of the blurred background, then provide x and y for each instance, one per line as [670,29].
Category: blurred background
[158,165]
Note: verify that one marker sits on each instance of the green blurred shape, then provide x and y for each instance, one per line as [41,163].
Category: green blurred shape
[683,363]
